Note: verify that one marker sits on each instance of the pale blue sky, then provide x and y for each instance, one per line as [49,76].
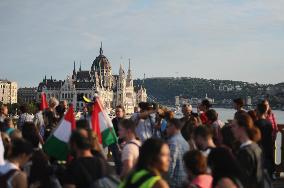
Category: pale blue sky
[219,39]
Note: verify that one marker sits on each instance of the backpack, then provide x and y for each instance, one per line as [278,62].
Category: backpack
[106,182]
[109,181]
[5,177]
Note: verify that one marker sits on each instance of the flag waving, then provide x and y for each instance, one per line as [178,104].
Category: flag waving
[102,125]
[57,144]
[43,104]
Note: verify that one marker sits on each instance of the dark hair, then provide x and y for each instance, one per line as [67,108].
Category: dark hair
[83,124]
[175,122]
[19,147]
[203,131]
[150,152]
[261,108]
[82,143]
[239,101]
[212,115]
[223,164]
[206,103]
[121,107]
[195,161]
[143,105]
[128,124]
[50,116]
[60,110]
[245,121]
[40,169]
[24,108]
[30,133]
[252,114]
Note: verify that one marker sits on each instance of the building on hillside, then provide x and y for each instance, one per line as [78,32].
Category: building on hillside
[27,94]
[8,92]
[113,89]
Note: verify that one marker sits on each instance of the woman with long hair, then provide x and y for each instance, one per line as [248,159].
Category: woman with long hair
[249,155]
[153,161]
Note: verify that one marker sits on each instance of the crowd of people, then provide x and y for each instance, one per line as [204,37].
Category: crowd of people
[154,149]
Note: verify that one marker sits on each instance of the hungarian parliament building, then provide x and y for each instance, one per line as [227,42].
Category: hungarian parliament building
[112,89]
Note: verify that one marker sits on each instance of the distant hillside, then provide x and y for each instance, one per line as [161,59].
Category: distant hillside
[165,89]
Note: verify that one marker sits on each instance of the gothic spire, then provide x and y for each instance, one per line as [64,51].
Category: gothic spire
[80,69]
[101,49]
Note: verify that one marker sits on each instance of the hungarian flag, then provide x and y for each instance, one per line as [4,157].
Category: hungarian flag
[43,104]
[102,125]
[57,144]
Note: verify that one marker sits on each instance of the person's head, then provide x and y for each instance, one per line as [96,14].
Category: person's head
[82,124]
[261,109]
[119,111]
[173,126]
[143,106]
[136,109]
[186,110]
[155,154]
[195,163]
[79,141]
[238,103]
[126,128]
[9,122]
[60,111]
[212,115]
[205,105]
[30,133]
[16,134]
[169,115]
[53,102]
[223,164]
[64,105]
[266,103]
[21,151]
[24,108]
[202,135]
[243,128]
[253,115]
[4,110]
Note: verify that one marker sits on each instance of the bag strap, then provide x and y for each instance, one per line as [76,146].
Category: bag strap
[133,144]
[10,173]
[140,181]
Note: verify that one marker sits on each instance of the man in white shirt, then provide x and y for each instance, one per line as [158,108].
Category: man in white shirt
[130,151]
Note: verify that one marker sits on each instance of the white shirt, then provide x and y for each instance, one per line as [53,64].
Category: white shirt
[249,142]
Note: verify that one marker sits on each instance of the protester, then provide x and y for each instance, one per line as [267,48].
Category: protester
[9,126]
[225,168]
[203,138]
[130,151]
[150,167]
[266,141]
[52,103]
[145,121]
[271,117]
[31,134]
[196,167]
[50,122]
[249,155]
[215,124]
[3,112]
[10,173]
[86,168]
[24,117]
[203,108]
[41,172]
[186,111]
[178,146]
[238,105]
[38,120]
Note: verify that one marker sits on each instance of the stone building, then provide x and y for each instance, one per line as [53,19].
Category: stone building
[113,89]
[8,92]
[27,94]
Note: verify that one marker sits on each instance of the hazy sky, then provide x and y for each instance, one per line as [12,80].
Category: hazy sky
[219,39]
